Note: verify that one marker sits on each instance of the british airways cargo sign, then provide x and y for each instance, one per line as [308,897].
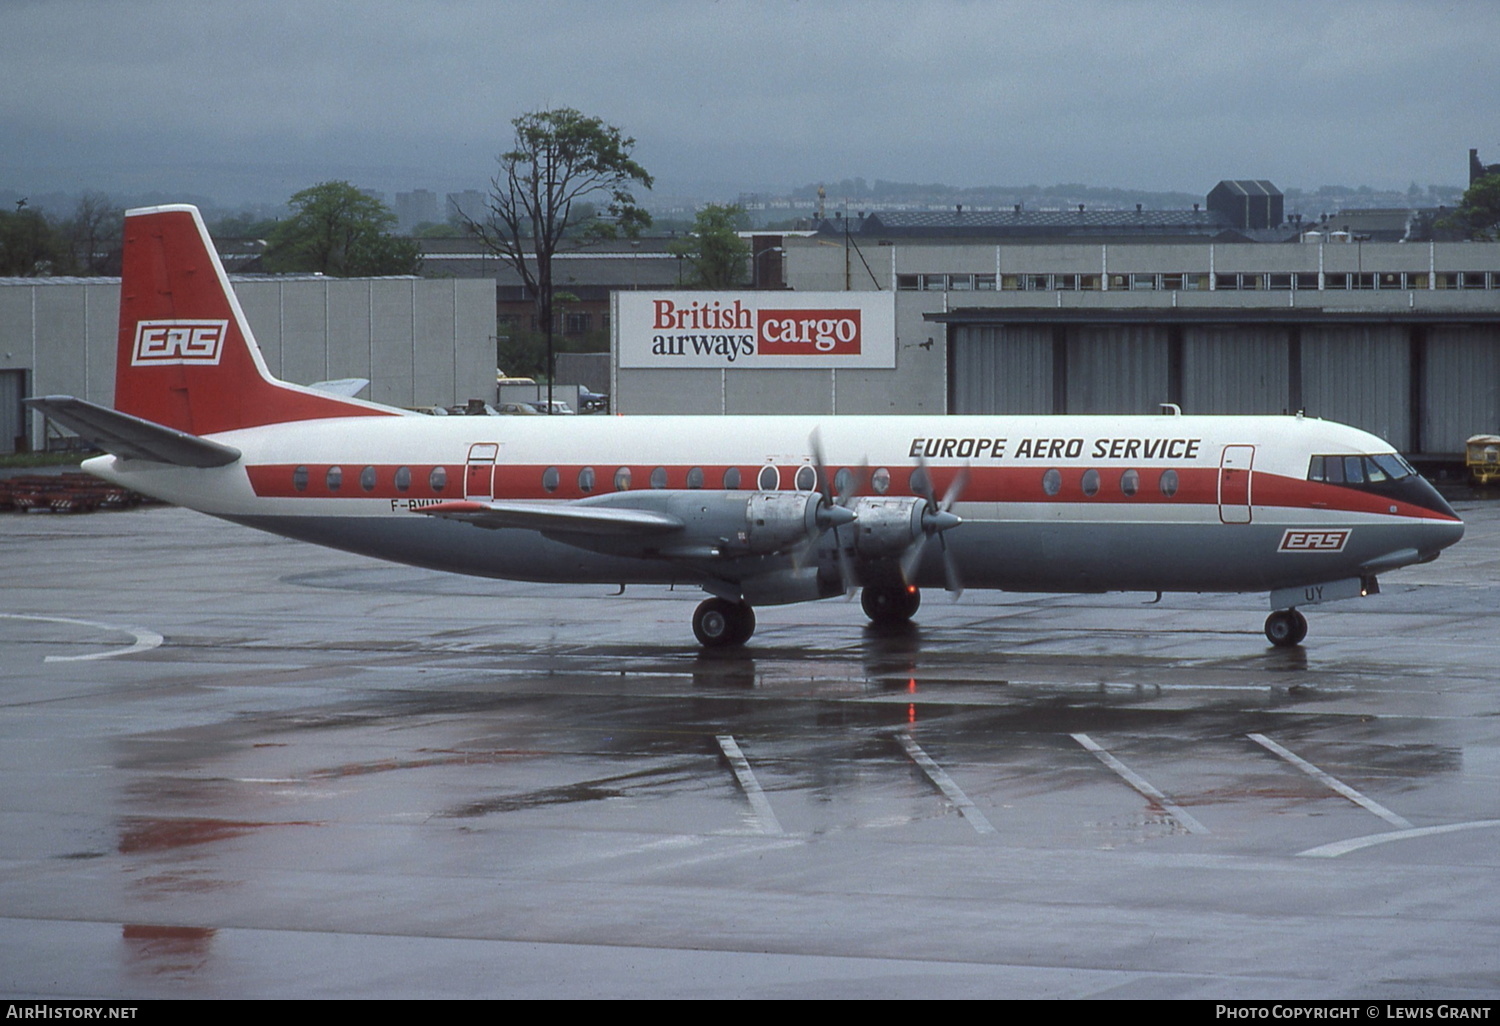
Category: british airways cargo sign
[755,329]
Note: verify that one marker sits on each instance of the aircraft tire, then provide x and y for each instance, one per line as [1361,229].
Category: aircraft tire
[1286,628]
[888,606]
[718,623]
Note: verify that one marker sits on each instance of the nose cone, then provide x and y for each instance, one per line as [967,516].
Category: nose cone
[1449,533]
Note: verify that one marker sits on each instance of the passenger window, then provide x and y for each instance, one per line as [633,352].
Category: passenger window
[807,479]
[438,479]
[622,479]
[1130,482]
[551,478]
[367,479]
[1052,482]
[335,478]
[403,478]
[695,478]
[881,481]
[586,480]
[299,479]
[1091,482]
[919,483]
[1168,483]
[843,481]
[768,479]
[659,477]
[731,479]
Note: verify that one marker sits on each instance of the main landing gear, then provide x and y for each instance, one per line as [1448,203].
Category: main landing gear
[1286,628]
[890,605]
[719,623]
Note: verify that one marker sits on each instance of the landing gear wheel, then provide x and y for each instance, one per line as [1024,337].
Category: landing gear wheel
[719,623]
[1286,628]
[890,605]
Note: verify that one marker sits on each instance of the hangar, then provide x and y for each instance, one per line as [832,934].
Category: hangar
[1399,338]
[419,341]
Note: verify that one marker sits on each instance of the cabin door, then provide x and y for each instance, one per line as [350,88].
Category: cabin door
[479,476]
[1234,483]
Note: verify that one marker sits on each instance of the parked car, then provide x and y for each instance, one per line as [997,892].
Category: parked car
[473,408]
[559,407]
[517,410]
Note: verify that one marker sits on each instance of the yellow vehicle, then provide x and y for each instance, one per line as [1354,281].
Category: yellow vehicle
[1483,458]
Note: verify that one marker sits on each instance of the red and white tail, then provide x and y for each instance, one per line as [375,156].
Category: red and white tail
[186,357]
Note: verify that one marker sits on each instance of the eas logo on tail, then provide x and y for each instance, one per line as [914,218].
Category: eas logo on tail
[173,342]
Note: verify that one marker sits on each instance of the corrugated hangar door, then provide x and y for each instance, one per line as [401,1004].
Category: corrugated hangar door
[1233,370]
[1359,376]
[1001,369]
[1461,387]
[12,413]
[1120,369]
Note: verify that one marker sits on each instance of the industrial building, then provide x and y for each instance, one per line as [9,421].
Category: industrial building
[418,341]
[1402,339]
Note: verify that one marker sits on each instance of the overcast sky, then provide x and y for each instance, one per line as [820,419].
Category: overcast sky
[239,99]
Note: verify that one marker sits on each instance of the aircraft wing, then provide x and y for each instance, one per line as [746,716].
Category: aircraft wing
[132,438]
[557,518]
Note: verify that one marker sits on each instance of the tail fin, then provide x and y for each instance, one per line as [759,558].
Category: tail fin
[185,356]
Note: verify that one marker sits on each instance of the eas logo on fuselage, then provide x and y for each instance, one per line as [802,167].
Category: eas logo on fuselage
[1308,540]
[176,342]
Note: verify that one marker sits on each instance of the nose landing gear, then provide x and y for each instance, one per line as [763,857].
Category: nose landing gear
[1286,628]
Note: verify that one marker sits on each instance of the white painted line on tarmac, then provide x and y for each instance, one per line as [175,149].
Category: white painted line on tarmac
[1142,785]
[946,784]
[1337,848]
[145,640]
[1332,783]
[746,776]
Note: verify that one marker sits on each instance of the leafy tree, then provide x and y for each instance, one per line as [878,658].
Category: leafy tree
[1478,216]
[243,226]
[339,230]
[31,245]
[562,161]
[714,249]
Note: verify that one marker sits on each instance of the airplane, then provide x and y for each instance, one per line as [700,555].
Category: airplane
[754,510]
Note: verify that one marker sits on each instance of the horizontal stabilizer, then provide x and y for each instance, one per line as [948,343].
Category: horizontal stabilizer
[349,387]
[132,438]
[575,517]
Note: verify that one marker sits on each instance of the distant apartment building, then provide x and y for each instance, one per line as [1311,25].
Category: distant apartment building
[416,208]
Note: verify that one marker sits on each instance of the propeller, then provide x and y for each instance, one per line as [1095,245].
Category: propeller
[936,519]
[851,488]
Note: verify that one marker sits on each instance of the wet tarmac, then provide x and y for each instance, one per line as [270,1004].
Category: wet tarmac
[237,766]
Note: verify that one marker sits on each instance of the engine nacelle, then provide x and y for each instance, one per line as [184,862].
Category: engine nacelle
[886,527]
[778,521]
[715,523]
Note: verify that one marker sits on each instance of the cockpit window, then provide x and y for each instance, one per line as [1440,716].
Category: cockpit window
[1395,465]
[1358,470]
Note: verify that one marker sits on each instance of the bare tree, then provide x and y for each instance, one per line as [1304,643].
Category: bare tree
[96,234]
[561,163]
